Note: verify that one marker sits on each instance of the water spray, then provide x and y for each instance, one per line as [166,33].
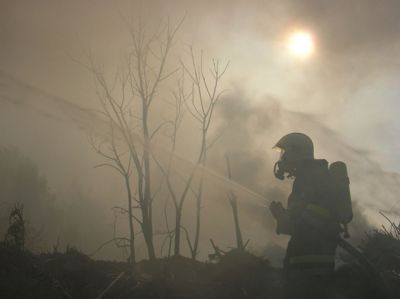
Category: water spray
[88,120]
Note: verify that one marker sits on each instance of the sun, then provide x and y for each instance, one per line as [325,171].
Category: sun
[301,44]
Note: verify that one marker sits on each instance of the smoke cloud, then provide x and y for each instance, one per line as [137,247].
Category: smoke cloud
[344,98]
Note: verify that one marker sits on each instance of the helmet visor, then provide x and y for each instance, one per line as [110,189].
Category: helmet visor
[280,150]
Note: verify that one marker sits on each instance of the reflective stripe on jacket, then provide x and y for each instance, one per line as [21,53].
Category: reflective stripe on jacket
[318,211]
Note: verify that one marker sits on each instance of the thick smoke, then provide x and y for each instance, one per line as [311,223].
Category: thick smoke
[252,129]
[344,98]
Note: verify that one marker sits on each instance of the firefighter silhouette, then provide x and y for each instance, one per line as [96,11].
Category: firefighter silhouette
[318,210]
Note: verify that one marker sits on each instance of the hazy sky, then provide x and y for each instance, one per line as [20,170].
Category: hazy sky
[345,95]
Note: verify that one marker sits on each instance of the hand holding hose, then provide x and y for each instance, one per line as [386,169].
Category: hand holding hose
[276,209]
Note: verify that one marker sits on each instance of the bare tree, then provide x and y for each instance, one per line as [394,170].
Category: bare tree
[205,95]
[122,163]
[126,105]
[200,101]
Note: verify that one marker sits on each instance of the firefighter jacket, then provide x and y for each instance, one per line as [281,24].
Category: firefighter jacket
[307,219]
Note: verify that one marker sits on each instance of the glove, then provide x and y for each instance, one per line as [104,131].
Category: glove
[276,209]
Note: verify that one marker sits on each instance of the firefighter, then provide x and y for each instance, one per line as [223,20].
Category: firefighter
[309,218]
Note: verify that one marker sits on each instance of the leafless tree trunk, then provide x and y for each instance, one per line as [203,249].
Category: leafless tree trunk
[233,202]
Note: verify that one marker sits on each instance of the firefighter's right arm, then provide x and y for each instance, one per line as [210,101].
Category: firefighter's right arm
[282,217]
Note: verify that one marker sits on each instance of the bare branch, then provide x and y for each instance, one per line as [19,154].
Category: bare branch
[109,165]
[187,238]
[121,210]
[159,127]
[113,240]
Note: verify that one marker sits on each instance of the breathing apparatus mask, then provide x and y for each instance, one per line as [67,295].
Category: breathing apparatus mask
[293,147]
[283,166]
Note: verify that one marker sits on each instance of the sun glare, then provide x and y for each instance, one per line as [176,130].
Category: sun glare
[301,44]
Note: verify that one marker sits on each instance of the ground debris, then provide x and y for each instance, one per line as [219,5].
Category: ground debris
[53,275]
[235,275]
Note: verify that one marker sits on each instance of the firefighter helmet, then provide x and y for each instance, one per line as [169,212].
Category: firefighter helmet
[295,147]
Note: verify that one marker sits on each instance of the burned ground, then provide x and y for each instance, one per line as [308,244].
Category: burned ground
[72,274]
